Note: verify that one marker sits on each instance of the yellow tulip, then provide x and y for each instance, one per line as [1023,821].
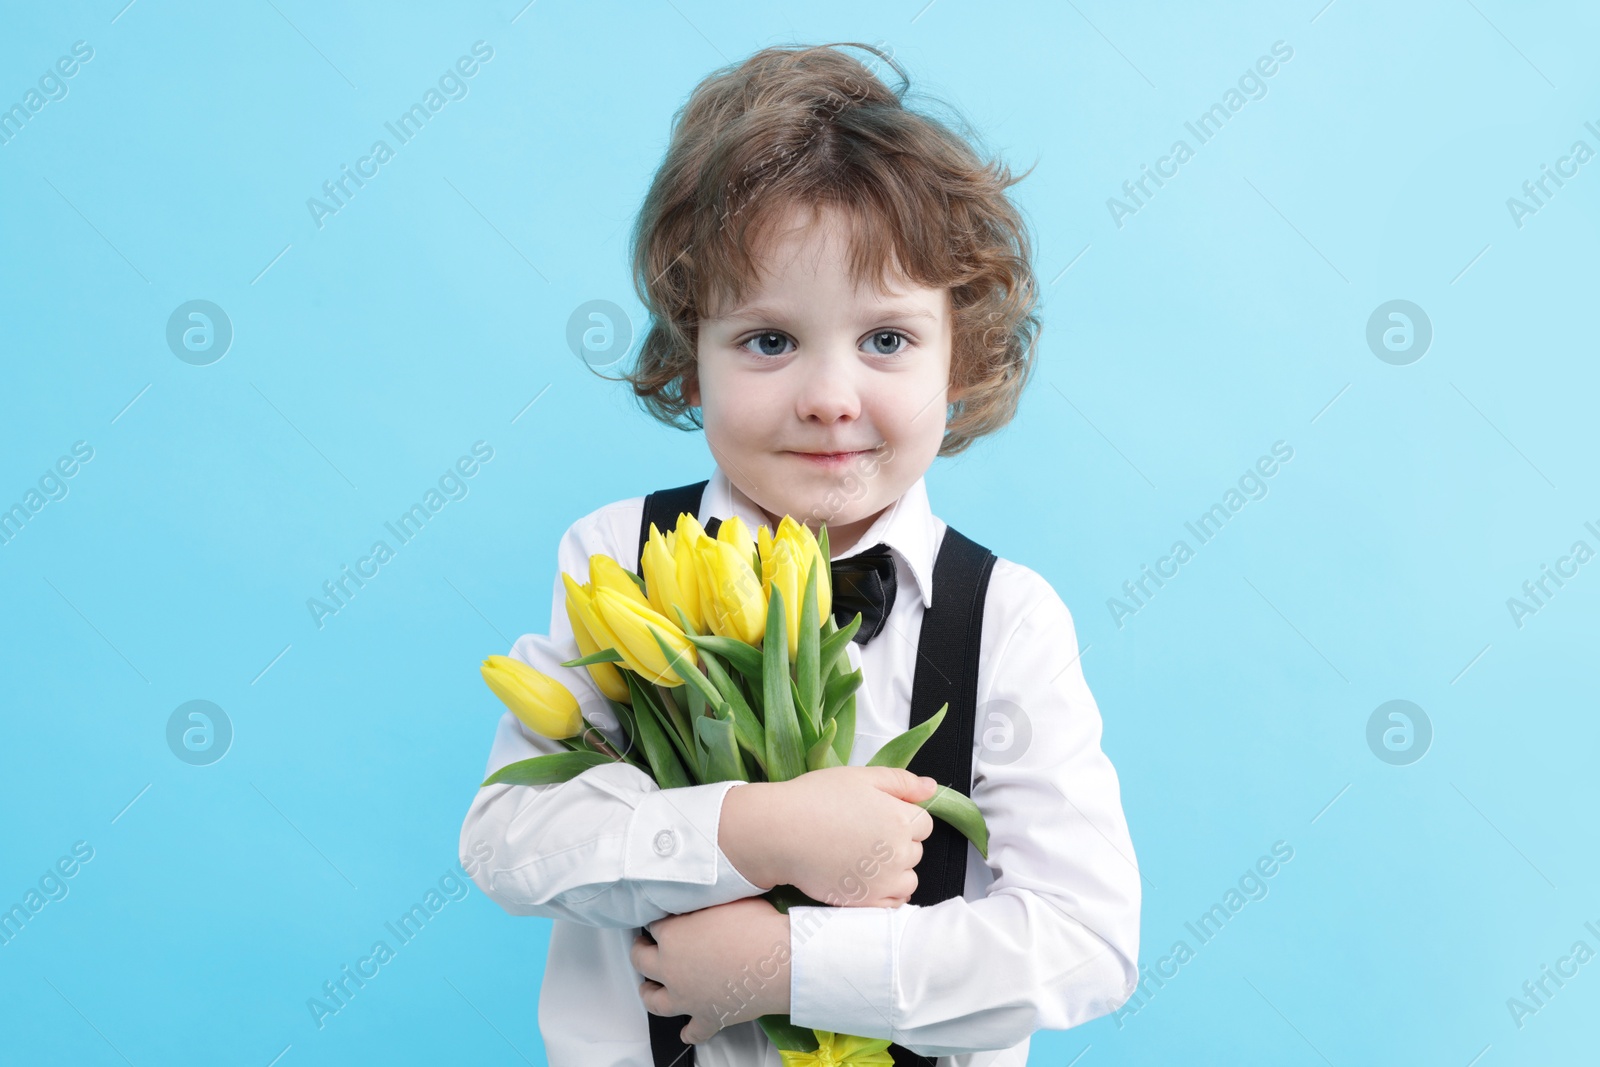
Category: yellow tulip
[628,626]
[734,532]
[682,541]
[689,526]
[785,560]
[671,581]
[842,1050]
[808,549]
[780,570]
[544,705]
[605,675]
[607,573]
[732,598]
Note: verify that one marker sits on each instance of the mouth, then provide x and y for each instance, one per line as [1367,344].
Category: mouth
[830,460]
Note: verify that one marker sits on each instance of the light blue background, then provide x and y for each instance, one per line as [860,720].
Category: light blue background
[1228,314]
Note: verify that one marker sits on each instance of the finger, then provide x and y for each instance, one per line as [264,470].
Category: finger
[899,782]
[921,825]
[646,958]
[697,1031]
[657,1001]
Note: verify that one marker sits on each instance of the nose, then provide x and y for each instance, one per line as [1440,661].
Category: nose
[826,389]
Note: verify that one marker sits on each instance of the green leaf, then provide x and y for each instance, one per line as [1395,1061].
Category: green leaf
[897,751]
[845,735]
[683,621]
[808,679]
[832,656]
[784,896]
[959,811]
[664,764]
[674,724]
[697,702]
[605,655]
[838,688]
[543,770]
[624,715]
[638,580]
[821,754]
[785,754]
[722,750]
[809,728]
[629,731]
[786,1036]
[746,725]
[590,739]
[746,659]
[685,669]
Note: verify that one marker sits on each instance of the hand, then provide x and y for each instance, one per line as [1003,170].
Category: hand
[846,836]
[722,965]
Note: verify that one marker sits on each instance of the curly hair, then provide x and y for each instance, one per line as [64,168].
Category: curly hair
[814,126]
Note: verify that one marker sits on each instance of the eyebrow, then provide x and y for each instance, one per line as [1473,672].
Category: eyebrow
[892,312]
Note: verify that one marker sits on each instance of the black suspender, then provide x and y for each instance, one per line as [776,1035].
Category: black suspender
[662,507]
[947,670]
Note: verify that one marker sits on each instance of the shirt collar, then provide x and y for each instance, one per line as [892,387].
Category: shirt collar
[908,526]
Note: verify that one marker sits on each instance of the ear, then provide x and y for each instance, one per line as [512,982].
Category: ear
[691,389]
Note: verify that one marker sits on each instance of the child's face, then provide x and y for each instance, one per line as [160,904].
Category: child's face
[812,364]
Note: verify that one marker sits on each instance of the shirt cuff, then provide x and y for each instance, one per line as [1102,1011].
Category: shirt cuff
[841,970]
[672,844]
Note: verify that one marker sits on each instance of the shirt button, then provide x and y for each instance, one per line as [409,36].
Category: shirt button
[666,843]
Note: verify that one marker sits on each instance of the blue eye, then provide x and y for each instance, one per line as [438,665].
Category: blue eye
[888,342]
[773,343]
[770,343]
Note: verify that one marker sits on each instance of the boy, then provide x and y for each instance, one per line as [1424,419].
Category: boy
[840,291]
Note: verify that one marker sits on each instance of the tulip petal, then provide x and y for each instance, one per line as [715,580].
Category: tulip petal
[607,573]
[542,703]
[605,676]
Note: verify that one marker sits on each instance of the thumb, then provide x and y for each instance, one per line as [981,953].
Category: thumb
[899,782]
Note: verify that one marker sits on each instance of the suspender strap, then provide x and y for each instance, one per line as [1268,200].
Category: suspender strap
[662,507]
[947,670]
[948,654]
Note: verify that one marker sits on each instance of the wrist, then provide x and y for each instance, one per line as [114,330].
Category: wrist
[745,834]
[778,989]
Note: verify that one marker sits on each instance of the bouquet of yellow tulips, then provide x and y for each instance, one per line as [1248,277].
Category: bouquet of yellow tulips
[722,661]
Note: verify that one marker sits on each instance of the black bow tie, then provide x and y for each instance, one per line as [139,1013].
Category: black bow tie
[864,582]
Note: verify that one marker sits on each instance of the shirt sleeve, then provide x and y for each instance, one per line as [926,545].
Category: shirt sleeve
[1055,941]
[608,847]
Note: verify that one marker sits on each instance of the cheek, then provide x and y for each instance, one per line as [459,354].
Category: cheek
[916,409]
[733,411]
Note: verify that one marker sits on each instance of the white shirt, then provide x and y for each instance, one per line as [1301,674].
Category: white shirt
[1044,936]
